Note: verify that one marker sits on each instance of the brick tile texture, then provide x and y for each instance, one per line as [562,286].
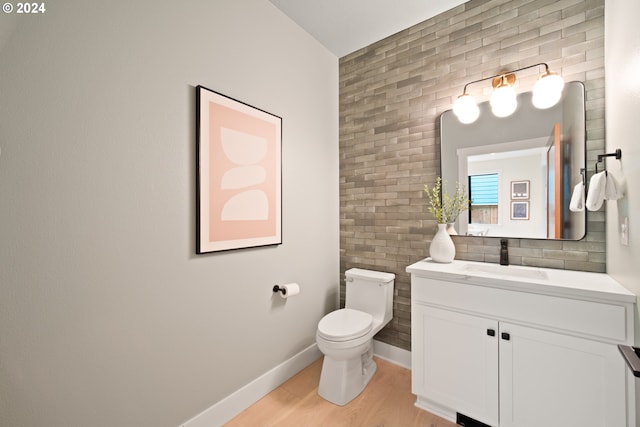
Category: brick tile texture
[392,94]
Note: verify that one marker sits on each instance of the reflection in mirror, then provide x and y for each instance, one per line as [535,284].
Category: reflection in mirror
[519,171]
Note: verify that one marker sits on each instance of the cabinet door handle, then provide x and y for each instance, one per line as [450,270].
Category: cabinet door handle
[491,332]
[505,336]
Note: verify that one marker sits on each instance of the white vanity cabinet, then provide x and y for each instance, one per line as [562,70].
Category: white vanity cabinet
[518,346]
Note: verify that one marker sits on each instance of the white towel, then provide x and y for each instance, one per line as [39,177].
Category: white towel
[597,185]
[577,198]
[613,188]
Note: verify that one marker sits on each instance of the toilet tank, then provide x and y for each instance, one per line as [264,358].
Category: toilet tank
[370,291]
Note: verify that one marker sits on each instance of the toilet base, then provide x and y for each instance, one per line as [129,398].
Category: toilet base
[341,381]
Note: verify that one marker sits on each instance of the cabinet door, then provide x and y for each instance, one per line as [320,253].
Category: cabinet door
[455,361]
[549,379]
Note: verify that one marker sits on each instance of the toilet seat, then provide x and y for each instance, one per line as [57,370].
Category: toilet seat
[344,325]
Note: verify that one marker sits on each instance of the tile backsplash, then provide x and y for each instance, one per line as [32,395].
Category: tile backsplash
[392,94]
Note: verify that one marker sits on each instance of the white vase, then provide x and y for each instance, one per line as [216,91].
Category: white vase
[442,248]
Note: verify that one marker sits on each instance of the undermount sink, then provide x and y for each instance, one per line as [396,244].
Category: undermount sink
[507,271]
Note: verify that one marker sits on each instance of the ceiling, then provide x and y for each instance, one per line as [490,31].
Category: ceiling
[344,26]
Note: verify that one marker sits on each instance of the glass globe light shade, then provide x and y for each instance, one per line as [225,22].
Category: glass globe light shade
[503,101]
[547,91]
[466,109]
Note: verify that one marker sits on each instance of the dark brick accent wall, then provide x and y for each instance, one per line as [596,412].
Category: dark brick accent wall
[391,96]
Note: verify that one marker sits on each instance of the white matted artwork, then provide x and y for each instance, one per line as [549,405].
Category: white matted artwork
[520,190]
[519,210]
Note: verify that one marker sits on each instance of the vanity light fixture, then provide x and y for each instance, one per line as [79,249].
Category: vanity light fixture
[466,109]
[547,91]
[503,99]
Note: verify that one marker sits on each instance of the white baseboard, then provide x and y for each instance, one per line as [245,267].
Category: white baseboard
[232,405]
[437,409]
[392,354]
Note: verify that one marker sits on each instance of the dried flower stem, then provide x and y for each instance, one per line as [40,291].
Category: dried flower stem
[442,206]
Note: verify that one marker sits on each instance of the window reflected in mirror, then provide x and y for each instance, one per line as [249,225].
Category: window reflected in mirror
[483,199]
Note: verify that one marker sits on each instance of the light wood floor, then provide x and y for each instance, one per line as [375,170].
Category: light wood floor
[385,402]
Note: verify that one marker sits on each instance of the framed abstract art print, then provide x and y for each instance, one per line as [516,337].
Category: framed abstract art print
[238,161]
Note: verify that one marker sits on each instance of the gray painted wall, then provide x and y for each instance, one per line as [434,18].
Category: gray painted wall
[107,318]
[623,110]
[622,50]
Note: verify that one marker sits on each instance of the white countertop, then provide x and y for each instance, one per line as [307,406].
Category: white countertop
[569,283]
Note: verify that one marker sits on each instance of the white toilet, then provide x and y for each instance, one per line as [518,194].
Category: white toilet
[345,336]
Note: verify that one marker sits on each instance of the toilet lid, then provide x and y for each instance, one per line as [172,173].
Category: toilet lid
[344,324]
